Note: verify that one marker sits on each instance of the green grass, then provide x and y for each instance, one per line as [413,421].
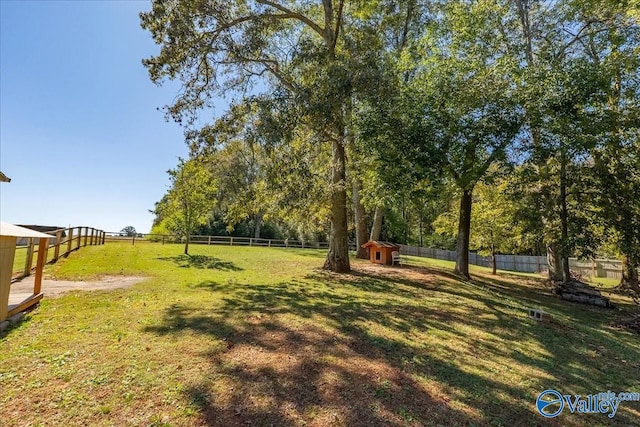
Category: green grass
[605,282]
[19,259]
[238,336]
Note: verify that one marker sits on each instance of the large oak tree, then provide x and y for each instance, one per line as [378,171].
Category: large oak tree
[215,47]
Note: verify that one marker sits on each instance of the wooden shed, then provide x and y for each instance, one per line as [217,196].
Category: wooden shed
[9,235]
[380,252]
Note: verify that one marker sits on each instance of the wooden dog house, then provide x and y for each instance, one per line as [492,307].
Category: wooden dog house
[381,252]
[9,235]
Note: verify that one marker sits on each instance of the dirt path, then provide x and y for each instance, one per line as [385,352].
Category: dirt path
[52,288]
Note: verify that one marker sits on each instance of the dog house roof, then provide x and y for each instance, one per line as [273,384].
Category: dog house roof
[379,244]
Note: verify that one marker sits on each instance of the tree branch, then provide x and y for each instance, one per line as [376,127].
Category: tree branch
[240,20]
[288,13]
[271,65]
[338,25]
[576,37]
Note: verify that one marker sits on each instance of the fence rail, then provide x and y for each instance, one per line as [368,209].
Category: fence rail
[65,241]
[215,240]
[606,268]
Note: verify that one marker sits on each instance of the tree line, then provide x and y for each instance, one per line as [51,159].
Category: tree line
[511,125]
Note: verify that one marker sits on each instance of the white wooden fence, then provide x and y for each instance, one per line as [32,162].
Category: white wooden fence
[216,240]
[524,263]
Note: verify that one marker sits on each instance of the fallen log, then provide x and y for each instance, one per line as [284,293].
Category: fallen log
[580,292]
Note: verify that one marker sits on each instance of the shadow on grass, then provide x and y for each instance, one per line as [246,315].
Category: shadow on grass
[366,350]
[202,262]
[23,322]
[269,372]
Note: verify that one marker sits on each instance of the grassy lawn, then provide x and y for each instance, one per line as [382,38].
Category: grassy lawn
[236,336]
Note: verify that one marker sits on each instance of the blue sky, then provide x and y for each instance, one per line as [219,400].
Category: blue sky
[80,133]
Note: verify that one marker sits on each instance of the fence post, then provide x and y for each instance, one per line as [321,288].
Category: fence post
[43,246]
[133,239]
[86,236]
[28,262]
[79,237]
[231,241]
[269,242]
[56,254]
[250,241]
[209,241]
[69,240]
[594,270]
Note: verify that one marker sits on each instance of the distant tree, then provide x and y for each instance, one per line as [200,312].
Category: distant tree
[494,227]
[129,231]
[189,201]
[261,176]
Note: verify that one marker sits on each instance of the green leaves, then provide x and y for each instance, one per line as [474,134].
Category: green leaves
[190,198]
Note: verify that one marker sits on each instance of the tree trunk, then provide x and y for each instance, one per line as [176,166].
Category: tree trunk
[338,256]
[360,219]
[630,275]
[555,259]
[258,225]
[186,245]
[464,234]
[405,218]
[376,228]
[493,260]
[554,262]
[564,221]
[523,12]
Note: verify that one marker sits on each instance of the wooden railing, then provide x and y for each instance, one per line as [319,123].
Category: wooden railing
[66,241]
